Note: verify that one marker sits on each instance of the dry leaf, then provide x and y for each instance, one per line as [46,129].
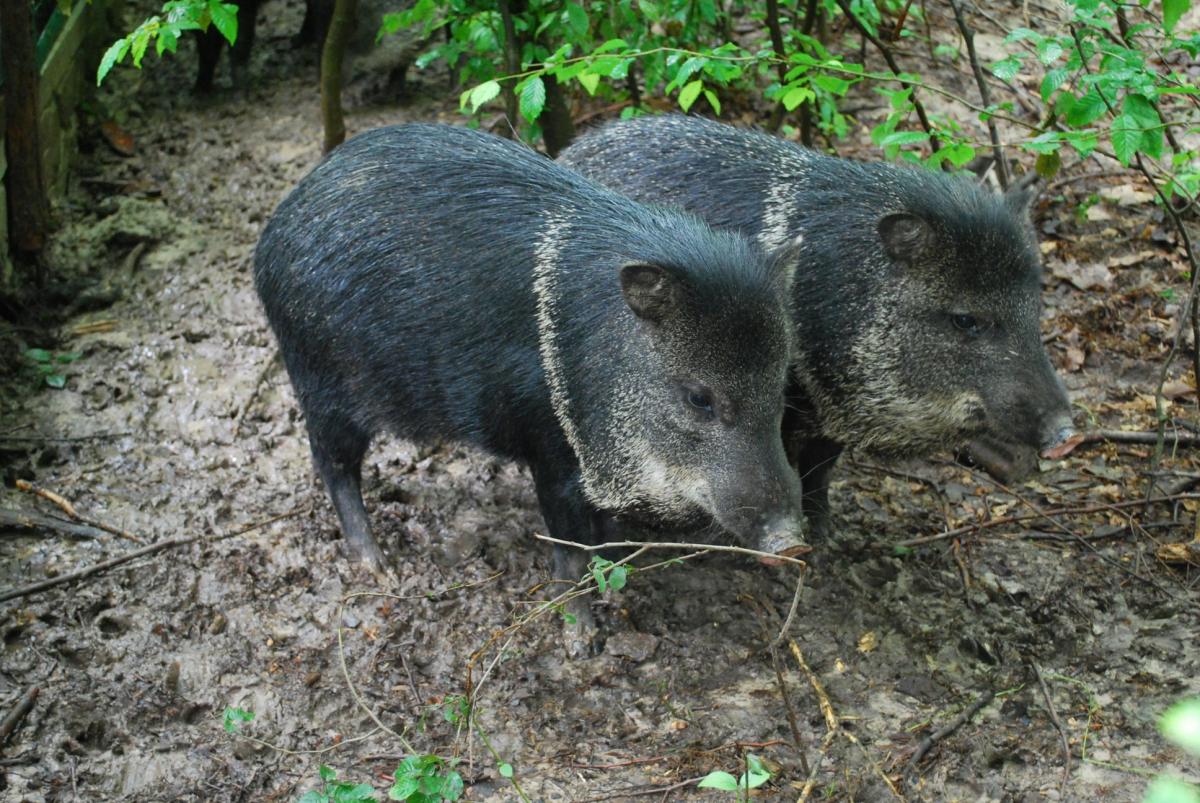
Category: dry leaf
[1132,259]
[1179,553]
[1126,195]
[1083,277]
[868,642]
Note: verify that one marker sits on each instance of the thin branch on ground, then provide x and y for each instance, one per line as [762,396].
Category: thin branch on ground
[1062,734]
[29,521]
[1060,511]
[675,545]
[929,741]
[19,712]
[69,509]
[150,549]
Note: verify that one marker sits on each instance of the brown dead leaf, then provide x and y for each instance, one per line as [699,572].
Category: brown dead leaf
[1084,277]
[1132,259]
[117,138]
[868,642]
[1178,389]
[1126,195]
[1074,359]
[1063,449]
[1179,553]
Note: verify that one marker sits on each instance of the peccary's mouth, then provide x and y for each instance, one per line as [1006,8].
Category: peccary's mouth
[785,545]
[1005,461]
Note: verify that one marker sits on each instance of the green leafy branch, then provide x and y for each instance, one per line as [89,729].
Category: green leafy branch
[164,30]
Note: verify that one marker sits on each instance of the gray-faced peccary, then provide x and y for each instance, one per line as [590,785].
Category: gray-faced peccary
[446,284]
[917,299]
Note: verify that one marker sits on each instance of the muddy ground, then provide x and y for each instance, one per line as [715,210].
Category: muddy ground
[179,421]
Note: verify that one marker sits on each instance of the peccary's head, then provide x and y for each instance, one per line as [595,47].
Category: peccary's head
[672,391]
[949,351]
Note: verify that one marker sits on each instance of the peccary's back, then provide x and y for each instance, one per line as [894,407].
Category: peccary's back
[399,276]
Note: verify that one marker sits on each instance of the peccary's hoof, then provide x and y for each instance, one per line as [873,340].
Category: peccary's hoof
[582,638]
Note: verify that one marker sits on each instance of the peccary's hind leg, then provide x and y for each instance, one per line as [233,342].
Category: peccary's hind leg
[338,449]
[814,461]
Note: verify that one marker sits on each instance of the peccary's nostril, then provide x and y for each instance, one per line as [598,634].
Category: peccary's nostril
[783,535]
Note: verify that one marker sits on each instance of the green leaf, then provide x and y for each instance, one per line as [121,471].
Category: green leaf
[903,138]
[224,16]
[56,381]
[1052,81]
[715,102]
[589,81]
[454,785]
[688,95]
[795,96]
[403,789]
[346,793]
[1172,11]
[39,355]
[327,773]
[1126,136]
[115,54]
[1181,724]
[1086,110]
[601,580]
[1141,109]
[234,717]
[1048,164]
[1048,51]
[484,93]
[616,578]
[1169,790]
[1007,69]
[313,797]
[719,780]
[577,20]
[68,357]
[532,98]
[506,770]
[831,84]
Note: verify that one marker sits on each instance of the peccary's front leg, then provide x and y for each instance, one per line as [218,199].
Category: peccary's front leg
[569,517]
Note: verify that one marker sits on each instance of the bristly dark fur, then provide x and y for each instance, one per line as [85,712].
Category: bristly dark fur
[891,258]
[441,283]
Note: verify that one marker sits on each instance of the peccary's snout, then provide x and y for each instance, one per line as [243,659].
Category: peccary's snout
[1056,431]
[766,509]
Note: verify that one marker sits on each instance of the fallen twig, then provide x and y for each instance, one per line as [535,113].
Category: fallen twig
[984,525]
[18,713]
[1062,734]
[150,549]
[659,790]
[682,547]
[69,509]
[32,521]
[929,741]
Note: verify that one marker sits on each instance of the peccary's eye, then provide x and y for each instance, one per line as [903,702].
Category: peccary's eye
[701,400]
[967,323]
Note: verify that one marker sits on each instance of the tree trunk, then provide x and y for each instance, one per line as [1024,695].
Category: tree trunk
[558,129]
[332,56]
[28,206]
[512,66]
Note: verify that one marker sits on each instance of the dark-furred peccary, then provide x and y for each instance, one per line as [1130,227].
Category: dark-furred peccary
[446,284]
[917,297]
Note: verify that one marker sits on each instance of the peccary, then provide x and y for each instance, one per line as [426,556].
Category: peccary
[917,299]
[446,284]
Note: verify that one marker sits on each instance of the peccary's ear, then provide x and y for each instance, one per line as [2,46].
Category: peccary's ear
[785,261]
[905,237]
[651,291]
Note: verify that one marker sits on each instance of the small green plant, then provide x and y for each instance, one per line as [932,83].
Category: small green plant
[425,779]
[755,776]
[234,717]
[49,364]
[1181,725]
[607,574]
[339,792]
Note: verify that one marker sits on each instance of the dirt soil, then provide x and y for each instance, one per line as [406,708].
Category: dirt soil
[178,421]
